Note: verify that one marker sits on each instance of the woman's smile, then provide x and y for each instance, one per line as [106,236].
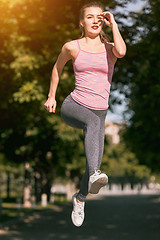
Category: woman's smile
[95,27]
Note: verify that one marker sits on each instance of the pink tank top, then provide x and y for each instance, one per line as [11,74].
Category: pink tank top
[93,75]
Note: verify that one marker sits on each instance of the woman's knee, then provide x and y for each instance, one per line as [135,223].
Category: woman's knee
[94,124]
[69,118]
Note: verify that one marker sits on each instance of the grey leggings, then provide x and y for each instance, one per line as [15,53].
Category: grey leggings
[93,124]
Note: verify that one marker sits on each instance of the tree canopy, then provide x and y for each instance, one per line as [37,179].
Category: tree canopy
[143,73]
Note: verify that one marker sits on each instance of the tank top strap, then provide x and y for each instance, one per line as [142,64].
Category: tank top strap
[78,45]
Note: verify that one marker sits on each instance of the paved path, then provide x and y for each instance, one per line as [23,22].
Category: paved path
[110,218]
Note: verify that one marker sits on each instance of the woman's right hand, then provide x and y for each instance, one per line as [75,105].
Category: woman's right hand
[50,104]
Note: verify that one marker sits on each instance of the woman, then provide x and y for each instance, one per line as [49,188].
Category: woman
[93,58]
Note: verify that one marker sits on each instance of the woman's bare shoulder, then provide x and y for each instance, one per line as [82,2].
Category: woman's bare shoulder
[70,45]
[72,48]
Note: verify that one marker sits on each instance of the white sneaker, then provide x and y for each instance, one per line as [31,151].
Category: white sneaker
[78,212]
[96,181]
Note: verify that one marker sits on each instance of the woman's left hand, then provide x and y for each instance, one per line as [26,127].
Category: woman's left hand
[110,18]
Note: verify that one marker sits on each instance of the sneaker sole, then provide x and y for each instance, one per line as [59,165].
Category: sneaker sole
[97,185]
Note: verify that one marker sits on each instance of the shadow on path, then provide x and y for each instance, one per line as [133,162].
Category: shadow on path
[110,218]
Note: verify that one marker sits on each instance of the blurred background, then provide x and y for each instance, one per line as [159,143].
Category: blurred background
[41,158]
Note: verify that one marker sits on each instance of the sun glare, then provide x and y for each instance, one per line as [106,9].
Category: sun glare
[12,2]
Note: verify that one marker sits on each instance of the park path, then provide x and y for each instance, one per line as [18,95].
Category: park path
[109,218]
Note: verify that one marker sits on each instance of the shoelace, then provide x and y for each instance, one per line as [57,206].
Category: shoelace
[79,209]
[97,172]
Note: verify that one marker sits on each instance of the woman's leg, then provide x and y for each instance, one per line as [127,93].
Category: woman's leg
[78,116]
[84,182]
[101,137]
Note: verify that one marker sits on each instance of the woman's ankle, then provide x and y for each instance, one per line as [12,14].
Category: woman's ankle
[78,201]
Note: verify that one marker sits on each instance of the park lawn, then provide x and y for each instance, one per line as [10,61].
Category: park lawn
[10,210]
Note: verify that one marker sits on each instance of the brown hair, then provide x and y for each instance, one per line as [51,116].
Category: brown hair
[102,35]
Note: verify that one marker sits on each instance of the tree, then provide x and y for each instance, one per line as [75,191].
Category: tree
[122,166]
[144,73]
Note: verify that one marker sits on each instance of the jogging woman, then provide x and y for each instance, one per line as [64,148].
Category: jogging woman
[93,58]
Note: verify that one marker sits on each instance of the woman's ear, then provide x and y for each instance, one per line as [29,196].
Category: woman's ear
[81,24]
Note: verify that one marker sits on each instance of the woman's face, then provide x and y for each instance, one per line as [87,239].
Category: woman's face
[93,21]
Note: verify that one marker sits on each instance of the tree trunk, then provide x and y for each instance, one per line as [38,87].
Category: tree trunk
[46,185]
[0,206]
[27,187]
[37,189]
[8,184]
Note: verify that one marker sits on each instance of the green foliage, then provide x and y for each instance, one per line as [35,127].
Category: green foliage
[143,73]
[28,92]
[120,163]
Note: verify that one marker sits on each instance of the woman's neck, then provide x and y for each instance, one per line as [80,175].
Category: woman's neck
[92,40]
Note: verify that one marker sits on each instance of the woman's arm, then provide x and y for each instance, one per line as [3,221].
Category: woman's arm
[62,59]
[119,46]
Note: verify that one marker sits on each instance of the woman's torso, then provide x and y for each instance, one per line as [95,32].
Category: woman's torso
[75,49]
[93,75]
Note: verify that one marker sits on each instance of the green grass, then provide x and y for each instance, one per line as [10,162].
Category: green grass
[10,211]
